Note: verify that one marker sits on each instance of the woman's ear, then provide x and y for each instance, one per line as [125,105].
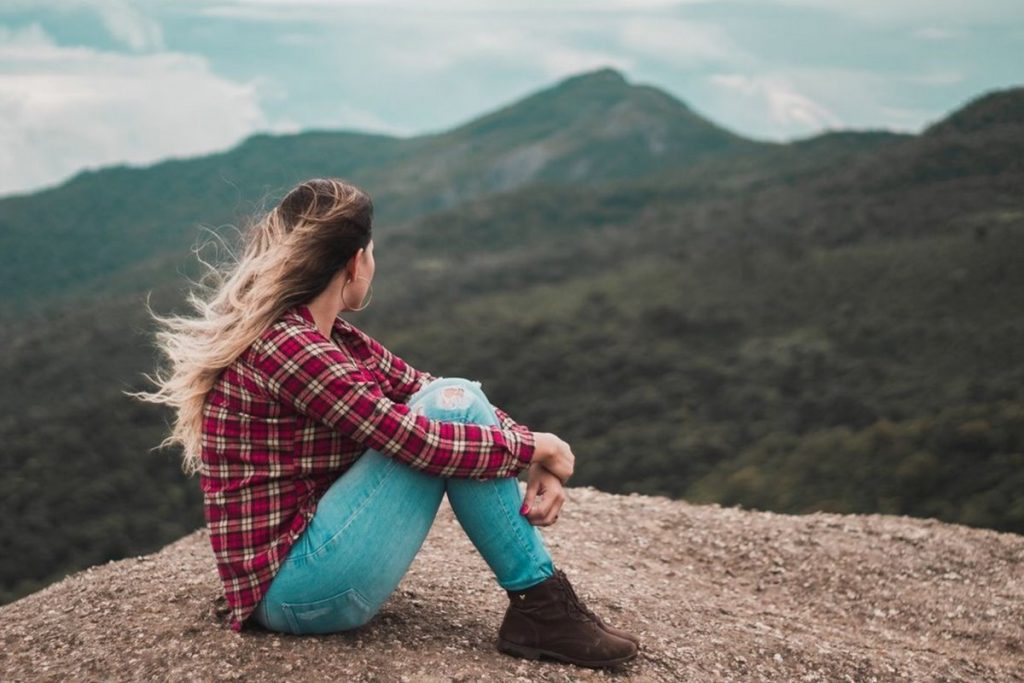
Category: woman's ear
[356,263]
[351,268]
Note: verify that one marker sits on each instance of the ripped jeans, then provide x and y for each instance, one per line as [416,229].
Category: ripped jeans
[372,521]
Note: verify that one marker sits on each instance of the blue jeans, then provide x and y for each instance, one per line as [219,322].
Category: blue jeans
[372,521]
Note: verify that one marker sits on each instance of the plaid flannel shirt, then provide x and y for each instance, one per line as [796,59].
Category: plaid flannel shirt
[294,412]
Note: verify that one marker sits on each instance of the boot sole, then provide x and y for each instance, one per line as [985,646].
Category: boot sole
[536,653]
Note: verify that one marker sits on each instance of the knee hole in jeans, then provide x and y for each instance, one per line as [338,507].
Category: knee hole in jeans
[449,393]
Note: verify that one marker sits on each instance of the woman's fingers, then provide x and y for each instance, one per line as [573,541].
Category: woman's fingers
[530,498]
[539,510]
[546,509]
[556,508]
[544,496]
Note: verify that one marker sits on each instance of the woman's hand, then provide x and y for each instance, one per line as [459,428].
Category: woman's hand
[544,496]
[553,454]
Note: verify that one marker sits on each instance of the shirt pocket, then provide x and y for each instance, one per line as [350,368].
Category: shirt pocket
[346,610]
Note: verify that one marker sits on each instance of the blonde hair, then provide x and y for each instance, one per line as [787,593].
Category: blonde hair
[290,254]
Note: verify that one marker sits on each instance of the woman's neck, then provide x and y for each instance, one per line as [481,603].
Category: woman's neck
[326,305]
[324,315]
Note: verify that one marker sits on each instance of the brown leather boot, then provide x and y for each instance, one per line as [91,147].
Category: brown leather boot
[600,622]
[549,619]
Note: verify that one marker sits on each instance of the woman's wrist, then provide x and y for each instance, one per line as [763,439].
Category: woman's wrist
[541,448]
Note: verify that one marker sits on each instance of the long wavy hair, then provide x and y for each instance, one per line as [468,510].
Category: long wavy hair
[289,256]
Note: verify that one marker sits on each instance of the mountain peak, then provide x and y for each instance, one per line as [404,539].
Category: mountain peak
[713,593]
[592,126]
[604,76]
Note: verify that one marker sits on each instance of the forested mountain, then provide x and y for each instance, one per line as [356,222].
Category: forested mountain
[831,324]
[585,129]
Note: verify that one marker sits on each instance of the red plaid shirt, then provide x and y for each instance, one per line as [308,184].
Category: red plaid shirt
[291,414]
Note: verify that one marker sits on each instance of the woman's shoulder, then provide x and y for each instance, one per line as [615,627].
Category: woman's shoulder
[295,330]
[289,328]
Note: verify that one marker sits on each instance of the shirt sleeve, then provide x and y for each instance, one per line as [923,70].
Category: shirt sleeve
[507,422]
[311,375]
[404,379]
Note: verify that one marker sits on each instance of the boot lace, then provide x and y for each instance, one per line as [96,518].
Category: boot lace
[576,606]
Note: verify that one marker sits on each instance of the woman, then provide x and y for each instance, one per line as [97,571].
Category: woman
[323,457]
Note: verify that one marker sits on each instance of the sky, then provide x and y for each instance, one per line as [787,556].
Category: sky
[91,83]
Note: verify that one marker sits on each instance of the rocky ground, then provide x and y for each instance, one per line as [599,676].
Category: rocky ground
[716,594]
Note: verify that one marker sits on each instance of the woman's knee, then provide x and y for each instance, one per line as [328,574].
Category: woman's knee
[449,396]
[439,383]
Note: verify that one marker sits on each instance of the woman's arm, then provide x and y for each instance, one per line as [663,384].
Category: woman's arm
[310,374]
[405,380]
[506,421]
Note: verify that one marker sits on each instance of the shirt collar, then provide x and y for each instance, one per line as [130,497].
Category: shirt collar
[340,326]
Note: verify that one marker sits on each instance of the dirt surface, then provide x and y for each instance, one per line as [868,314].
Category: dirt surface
[715,594]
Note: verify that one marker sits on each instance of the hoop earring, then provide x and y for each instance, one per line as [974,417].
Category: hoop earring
[366,300]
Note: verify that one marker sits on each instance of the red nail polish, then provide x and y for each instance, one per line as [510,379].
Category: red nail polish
[523,510]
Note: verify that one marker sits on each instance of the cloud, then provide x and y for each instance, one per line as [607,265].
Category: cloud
[123,19]
[128,25]
[789,109]
[807,100]
[67,108]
